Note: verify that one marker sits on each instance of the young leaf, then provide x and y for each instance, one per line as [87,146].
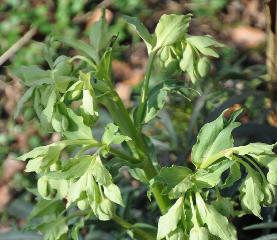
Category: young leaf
[168,222]
[171,29]
[141,30]
[100,35]
[213,138]
[111,135]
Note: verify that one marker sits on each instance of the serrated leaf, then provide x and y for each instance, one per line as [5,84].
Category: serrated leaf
[211,176]
[217,224]
[112,192]
[213,138]
[111,135]
[54,229]
[171,29]
[233,176]
[252,195]
[74,168]
[32,76]
[171,177]
[46,207]
[168,222]
[76,129]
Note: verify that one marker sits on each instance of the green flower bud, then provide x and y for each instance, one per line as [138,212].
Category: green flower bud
[203,66]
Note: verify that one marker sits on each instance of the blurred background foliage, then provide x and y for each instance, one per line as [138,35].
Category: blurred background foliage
[238,78]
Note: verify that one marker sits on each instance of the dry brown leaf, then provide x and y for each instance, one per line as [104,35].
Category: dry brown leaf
[124,91]
[5,196]
[10,167]
[272,118]
[247,36]
[96,15]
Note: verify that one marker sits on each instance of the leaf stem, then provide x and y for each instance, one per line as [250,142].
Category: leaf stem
[126,225]
[145,88]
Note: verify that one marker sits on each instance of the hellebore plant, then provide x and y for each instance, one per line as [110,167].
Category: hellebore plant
[81,187]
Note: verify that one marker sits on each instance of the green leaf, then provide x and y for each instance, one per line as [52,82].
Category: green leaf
[32,76]
[100,35]
[26,97]
[213,138]
[47,113]
[182,187]
[224,206]
[156,101]
[141,30]
[74,168]
[111,135]
[171,29]
[112,192]
[103,70]
[204,44]
[217,224]
[234,175]
[46,207]
[211,176]
[50,188]
[76,128]
[199,233]
[76,229]
[264,155]
[251,193]
[172,178]
[168,222]
[54,229]
[81,46]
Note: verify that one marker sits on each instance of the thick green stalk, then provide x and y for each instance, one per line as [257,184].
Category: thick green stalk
[138,146]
